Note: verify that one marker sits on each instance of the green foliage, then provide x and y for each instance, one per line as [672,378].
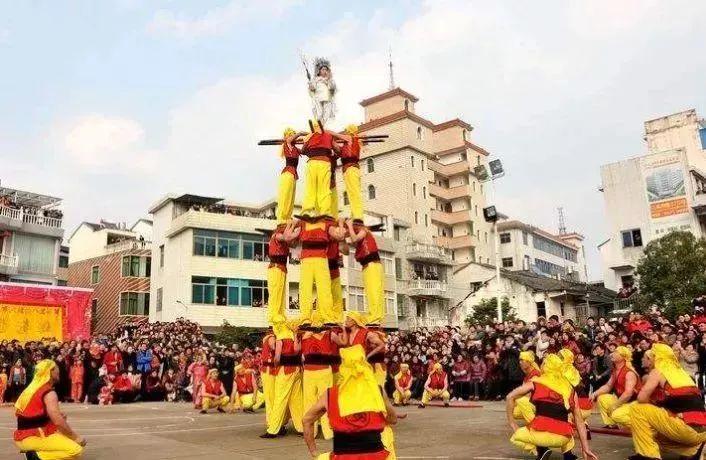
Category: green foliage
[486,312]
[242,336]
[672,272]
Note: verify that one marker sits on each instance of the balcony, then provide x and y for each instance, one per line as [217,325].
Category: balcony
[427,288]
[8,264]
[414,322]
[428,253]
[450,218]
[448,194]
[30,222]
[218,221]
[460,167]
[456,242]
[127,245]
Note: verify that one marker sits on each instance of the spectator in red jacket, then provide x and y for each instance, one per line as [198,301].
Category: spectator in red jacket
[113,360]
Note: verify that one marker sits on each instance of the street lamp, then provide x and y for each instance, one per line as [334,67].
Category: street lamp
[490,213]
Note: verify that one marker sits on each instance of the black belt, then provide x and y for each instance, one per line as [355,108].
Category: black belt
[24,423]
[377,358]
[278,260]
[357,443]
[293,162]
[551,410]
[314,245]
[333,264]
[345,161]
[372,257]
[290,360]
[685,403]
[319,359]
[317,152]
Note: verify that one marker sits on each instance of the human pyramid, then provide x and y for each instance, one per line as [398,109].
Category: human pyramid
[319,364]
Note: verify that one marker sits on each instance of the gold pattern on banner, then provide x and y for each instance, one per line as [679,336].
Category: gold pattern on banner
[29,322]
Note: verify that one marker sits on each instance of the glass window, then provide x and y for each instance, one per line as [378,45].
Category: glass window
[63,262]
[632,238]
[371,192]
[414,189]
[134,303]
[95,274]
[371,165]
[505,238]
[134,266]
[424,192]
[412,158]
[161,256]
[426,220]
[507,262]
[416,217]
[524,237]
[159,299]
[422,163]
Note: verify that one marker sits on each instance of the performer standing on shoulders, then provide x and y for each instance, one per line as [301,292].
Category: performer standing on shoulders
[367,255]
[669,413]
[350,158]
[554,397]
[524,409]
[319,147]
[41,427]
[288,178]
[278,253]
[616,396]
[322,89]
[358,412]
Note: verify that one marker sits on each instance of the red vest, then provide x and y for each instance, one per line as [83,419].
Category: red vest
[291,158]
[289,359]
[366,250]
[212,387]
[278,252]
[531,374]
[619,382]
[360,337]
[436,381]
[685,401]
[266,355]
[319,146]
[315,238]
[404,380]
[34,416]
[362,423]
[244,384]
[332,253]
[350,154]
[551,414]
[319,351]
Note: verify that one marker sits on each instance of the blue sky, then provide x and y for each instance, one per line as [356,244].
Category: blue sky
[112,104]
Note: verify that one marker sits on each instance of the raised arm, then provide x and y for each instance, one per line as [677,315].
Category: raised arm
[581,428]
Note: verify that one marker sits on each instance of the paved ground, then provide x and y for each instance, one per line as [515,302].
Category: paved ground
[159,431]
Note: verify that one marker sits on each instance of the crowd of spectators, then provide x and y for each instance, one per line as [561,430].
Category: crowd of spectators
[10,202]
[168,361]
[482,361]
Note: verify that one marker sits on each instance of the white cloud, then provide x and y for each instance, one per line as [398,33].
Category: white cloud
[99,142]
[215,21]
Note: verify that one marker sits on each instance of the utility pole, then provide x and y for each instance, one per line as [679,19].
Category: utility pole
[392,73]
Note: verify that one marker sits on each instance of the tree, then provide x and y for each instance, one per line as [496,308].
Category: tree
[672,272]
[486,312]
[244,337]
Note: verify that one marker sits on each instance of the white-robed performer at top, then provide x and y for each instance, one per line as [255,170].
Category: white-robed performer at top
[322,89]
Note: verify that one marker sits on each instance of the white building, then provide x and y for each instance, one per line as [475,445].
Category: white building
[652,194]
[532,295]
[30,237]
[210,264]
[526,247]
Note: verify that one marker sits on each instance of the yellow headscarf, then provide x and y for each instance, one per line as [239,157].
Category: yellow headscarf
[667,364]
[213,371]
[437,367]
[316,319]
[352,130]
[358,391]
[42,376]
[554,377]
[287,132]
[626,354]
[528,356]
[404,369]
[570,372]
[282,331]
[357,318]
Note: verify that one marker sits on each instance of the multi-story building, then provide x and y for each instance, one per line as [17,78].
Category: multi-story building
[423,176]
[655,193]
[116,263]
[211,264]
[63,270]
[529,248]
[30,237]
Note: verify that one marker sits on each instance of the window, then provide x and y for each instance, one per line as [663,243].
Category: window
[554,248]
[356,299]
[422,162]
[416,217]
[345,199]
[424,193]
[414,189]
[426,220]
[412,158]
[398,268]
[135,303]
[371,165]
[419,133]
[388,262]
[485,234]
[371,192]
[549,268]
[61,282]
[95,274]
[505,238]
[632,238]
[463,133]
[397,233]
[63,261]
[476,209]
[389,303]
[230,245]
[160,294]
[136,266]
[161,256]
[406,104]
[507,262]
[541,309]
[526,263]
[524,237]
[228,291]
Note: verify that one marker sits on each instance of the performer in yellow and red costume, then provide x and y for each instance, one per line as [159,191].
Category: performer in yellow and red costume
[524,409]
[669,413]
[350,158]
[288,178]
[403,386]
[555,400]
[278,253]
[359,413]
[368,256]
[319,147]
[617,396]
